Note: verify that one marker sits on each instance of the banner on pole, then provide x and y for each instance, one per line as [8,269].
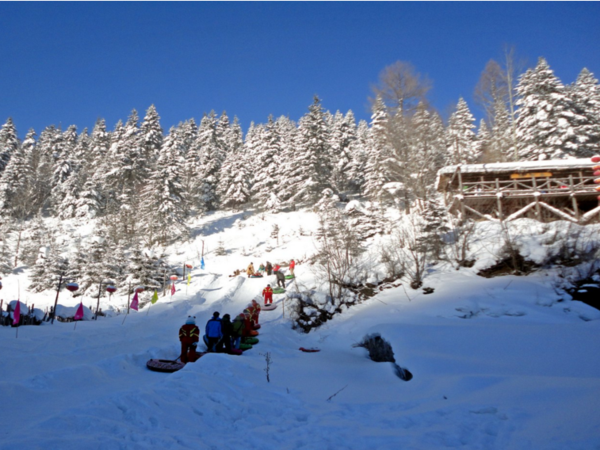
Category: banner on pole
[202,263]
[154,298]
[135,302]
[172,288]
[17,314]
[189,279]
[79,314]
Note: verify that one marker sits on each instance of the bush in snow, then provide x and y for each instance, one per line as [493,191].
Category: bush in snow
[310,309]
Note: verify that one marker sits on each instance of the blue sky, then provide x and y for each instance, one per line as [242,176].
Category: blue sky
[68,63]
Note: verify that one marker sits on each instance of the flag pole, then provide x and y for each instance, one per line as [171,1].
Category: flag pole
[98,303]
[56,300]
[128,297]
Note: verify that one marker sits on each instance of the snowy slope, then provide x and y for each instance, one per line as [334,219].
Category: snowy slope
[497,364]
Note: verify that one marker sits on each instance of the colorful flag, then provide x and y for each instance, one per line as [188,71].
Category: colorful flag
[154,298]
[189,279]
[79,314]
[202,263]
[172,288]
[135,302]
[17,314]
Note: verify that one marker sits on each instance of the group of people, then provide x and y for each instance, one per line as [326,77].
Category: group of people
[269,269]
[222,334]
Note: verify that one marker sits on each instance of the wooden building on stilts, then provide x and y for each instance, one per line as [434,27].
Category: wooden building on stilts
[543,190]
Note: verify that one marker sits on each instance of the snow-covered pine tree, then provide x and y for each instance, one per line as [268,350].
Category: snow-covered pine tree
[343,138]
[379,151]
[16,180]
[364,219]
[144,270]
[210,158]
[460,138]
[42,164]
[546,118]
[8,142]
[164,201]
[309,169]
[483,140]
[7,253]
[234,183]
[585,94]
[501,141]
[356,169]
[268,153]
[150,139]
[37,235]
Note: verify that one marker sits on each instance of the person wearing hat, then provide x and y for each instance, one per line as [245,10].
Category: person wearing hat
[214,333]
[189,335]
[268,294]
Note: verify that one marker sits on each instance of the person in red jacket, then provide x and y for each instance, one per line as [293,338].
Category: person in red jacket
[292,265]
[188,335]
[268,294]
[255,311]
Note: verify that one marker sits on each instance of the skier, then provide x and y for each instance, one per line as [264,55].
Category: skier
[292,265]
[280,279]
[269,268]
[214,334]
[268,294]
[188,335]
[250,269]
[227,330]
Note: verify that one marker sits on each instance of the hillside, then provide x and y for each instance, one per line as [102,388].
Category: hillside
[498,363]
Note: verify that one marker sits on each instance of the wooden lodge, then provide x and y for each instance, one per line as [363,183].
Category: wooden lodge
[543,190]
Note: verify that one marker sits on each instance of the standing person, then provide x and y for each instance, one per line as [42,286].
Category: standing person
[238,326]
[255,312]
[261,269]
[276,268]
[280,279]
[292,265]
[250,269]
[269,268]
[268,294]
[214,334]
[189,334]
[227,330]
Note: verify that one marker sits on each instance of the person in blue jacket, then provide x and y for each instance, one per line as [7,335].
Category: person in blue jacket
[214,334]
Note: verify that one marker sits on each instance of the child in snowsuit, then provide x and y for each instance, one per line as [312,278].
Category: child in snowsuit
[292,265]
[214,333]
[280,279]
[189,334]
[268,294]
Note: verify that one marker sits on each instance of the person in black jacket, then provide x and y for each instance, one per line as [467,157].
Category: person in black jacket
[227,330]
[269,268]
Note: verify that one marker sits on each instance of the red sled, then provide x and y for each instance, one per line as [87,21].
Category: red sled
[310,350]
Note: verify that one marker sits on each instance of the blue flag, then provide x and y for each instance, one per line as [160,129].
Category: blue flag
[202,263]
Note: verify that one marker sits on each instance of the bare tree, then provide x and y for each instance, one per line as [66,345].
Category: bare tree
[401,87]
[491,87]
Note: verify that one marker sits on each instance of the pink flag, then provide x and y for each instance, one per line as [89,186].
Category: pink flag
[172,288]
[135,302]
[79,313]
[17,314]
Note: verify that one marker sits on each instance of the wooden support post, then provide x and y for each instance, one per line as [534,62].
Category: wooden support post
[573,199]
[460,186]
[538,209]
[499,199]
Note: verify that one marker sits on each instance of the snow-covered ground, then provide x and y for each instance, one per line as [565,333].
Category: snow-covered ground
[497,363]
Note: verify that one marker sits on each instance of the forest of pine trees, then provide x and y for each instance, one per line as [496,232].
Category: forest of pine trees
[142,184]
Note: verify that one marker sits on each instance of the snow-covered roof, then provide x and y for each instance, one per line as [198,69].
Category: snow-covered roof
[550,164]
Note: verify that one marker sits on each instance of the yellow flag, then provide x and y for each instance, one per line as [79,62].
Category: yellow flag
[154,298]
[189,278]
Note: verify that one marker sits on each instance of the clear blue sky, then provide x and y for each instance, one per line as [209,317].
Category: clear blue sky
[68,63]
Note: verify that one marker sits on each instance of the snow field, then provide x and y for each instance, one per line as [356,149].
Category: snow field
[498,363]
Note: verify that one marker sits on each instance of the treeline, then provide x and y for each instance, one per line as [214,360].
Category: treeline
[143,184]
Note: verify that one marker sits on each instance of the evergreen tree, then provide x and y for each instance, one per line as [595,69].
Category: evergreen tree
[8,142]
[310,168]
[358,163]
[210,158]
[268,153]
[460,138]
[546,121]
[150,139]
[501,141]
[343,138]
[164,204]
[16,180]
[377,172]
[234,183]
[585,94]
